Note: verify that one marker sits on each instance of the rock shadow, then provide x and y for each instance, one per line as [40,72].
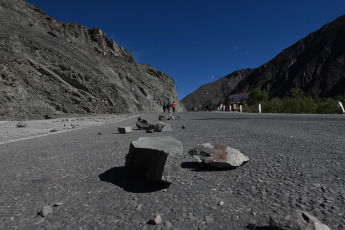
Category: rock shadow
[202,167]
[130,180]
[254,227]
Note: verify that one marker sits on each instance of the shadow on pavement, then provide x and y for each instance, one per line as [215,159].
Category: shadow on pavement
[129,180]
[254,227]
[199,167]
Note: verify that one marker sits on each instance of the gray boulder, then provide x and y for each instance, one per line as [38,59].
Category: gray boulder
[218,155]
[144,124]
[297,220]
[162,127]
[158,158]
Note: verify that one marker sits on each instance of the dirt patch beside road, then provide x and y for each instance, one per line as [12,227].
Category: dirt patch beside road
[11,131]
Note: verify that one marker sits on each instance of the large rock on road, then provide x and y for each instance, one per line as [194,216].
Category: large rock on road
[158,158]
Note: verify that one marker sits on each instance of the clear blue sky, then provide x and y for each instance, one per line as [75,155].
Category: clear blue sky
[192,40]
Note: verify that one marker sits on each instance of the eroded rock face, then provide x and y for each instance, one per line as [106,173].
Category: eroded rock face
[51,67]
[218,155]
[297,220]
[158,158]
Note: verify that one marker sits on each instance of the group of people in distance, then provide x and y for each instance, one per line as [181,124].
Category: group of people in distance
[169,106]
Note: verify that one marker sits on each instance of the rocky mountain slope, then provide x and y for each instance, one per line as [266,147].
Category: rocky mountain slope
[316,64]
[210,94]
[52,67]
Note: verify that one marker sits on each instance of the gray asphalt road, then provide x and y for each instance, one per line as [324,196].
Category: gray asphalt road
[296,162]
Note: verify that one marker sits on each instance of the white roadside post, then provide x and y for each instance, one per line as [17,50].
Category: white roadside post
[341,107]
[240,108]
[259,108]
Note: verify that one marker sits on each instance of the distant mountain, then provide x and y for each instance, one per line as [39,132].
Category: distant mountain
[210,94]
[316,64]
[52,67]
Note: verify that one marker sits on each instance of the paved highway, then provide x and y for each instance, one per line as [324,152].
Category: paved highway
[296,162]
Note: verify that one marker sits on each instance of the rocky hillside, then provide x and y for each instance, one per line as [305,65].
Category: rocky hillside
[52,67]
[316,64]
[210,94]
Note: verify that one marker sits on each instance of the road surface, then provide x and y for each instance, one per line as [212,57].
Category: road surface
[296,162]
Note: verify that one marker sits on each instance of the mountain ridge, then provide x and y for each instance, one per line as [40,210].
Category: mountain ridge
[315,64]
[209,95]
[52,67]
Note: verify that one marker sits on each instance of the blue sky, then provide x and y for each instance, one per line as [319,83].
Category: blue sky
[192,40]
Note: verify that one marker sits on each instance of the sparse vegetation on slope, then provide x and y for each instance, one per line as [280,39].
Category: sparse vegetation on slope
[295,102]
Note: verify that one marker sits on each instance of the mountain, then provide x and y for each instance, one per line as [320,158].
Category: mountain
[210,94]
[52,67]
[315,64]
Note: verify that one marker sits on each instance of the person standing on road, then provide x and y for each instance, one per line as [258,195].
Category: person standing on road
[164,107]
[168,107]
[173,106]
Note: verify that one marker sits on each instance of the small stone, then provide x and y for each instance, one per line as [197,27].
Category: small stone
[221,203]
[99,133]
[53,130]
[140,207]
[183,127]
[57,204]
[21,124]
[158,219]
[46,210]
[124,129]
